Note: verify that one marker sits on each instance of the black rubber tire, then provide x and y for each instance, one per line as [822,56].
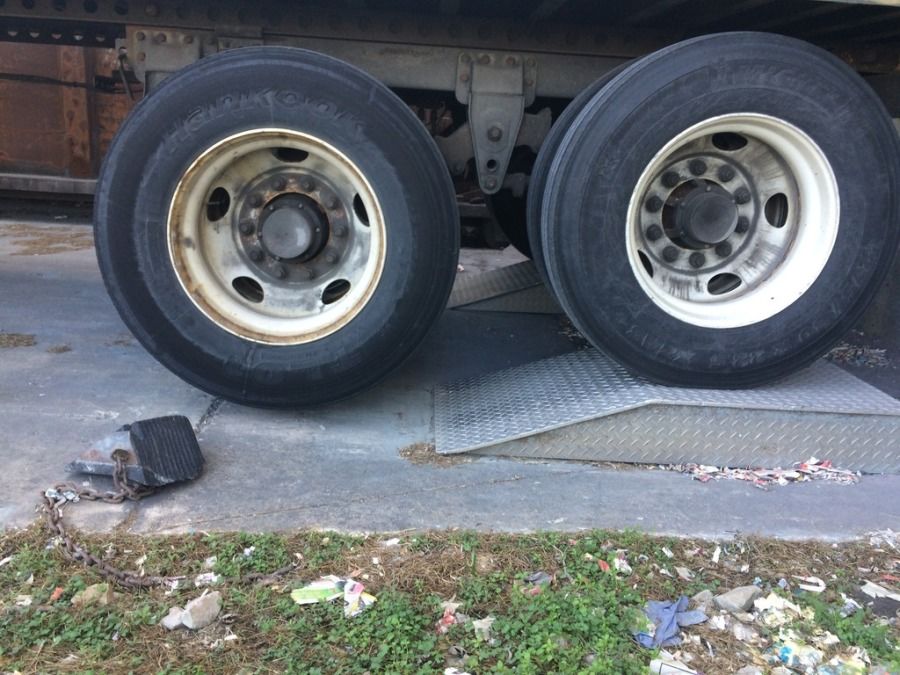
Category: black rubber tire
[538,182]
[296,89]
[618,133]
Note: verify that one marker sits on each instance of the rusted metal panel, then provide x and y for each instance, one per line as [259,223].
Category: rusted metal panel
[54,120]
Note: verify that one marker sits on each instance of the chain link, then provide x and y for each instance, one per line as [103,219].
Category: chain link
[56,498]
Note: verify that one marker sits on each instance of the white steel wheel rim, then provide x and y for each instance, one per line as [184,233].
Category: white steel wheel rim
[224,263]
[775,264]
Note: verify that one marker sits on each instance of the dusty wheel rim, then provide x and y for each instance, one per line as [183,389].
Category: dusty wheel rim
[733,220]
[276,236]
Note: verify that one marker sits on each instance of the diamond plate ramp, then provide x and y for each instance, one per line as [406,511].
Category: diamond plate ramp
[583,405]
[514,288]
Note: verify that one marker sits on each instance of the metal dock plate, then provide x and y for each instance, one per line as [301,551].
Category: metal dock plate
[584,406]
[514,288]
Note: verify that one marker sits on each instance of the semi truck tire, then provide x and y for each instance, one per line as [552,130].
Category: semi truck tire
[276,227]
[538,182]
[723,211]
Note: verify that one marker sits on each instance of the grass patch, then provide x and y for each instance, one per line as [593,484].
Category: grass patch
[581,622]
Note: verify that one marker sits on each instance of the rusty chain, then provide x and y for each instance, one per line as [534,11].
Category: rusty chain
[56,498]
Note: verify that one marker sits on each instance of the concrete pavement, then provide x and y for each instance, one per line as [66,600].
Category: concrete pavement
[337,466]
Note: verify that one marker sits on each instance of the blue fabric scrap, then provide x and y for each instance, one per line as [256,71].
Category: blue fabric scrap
[668,616]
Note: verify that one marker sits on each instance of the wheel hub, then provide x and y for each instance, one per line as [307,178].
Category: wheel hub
[289,227]
[707,216]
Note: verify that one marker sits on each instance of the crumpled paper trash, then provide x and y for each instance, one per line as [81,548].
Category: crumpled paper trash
[330,588]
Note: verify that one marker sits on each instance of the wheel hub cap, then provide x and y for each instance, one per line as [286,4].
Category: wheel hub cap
[288,228]
[707,215]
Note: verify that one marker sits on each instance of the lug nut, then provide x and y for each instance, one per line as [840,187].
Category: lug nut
[723,250]
[697,167]
[256,200]
[310,274]
[670,254]
[742,196]
[279,184]
[654,204]
[697,259]
[726,173]
[495,134]
[340,231]
[333,203]
[256,255]
[331,258]
[246,227]
[280,272]
[306,184]
[743,224]
[654,232]
[670,179]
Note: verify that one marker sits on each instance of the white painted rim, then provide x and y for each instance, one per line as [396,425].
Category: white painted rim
[776,265]
[207,256]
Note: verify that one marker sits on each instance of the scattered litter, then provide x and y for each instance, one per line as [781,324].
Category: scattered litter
[210,562]
[8,559]
[667,617]
[249,551]
[783,584]
[738,599]
[749,670]
[825,639]
[57,593]
[850,606]
[869,357]
[455,671]
[330,588]
[394,541]
[719,622]
[811,469]
[202,611]
[483,628]
[536,583]
[667,552]
[24,600]
[873,590]
[667,664]
[100,594]
[603,565]
[811,584]
[775,611]
[793,653]
[879,539]
[850,664]
[716,554]
[449,617]
[621,564]
[743,632]
[207,579]
[684,573]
